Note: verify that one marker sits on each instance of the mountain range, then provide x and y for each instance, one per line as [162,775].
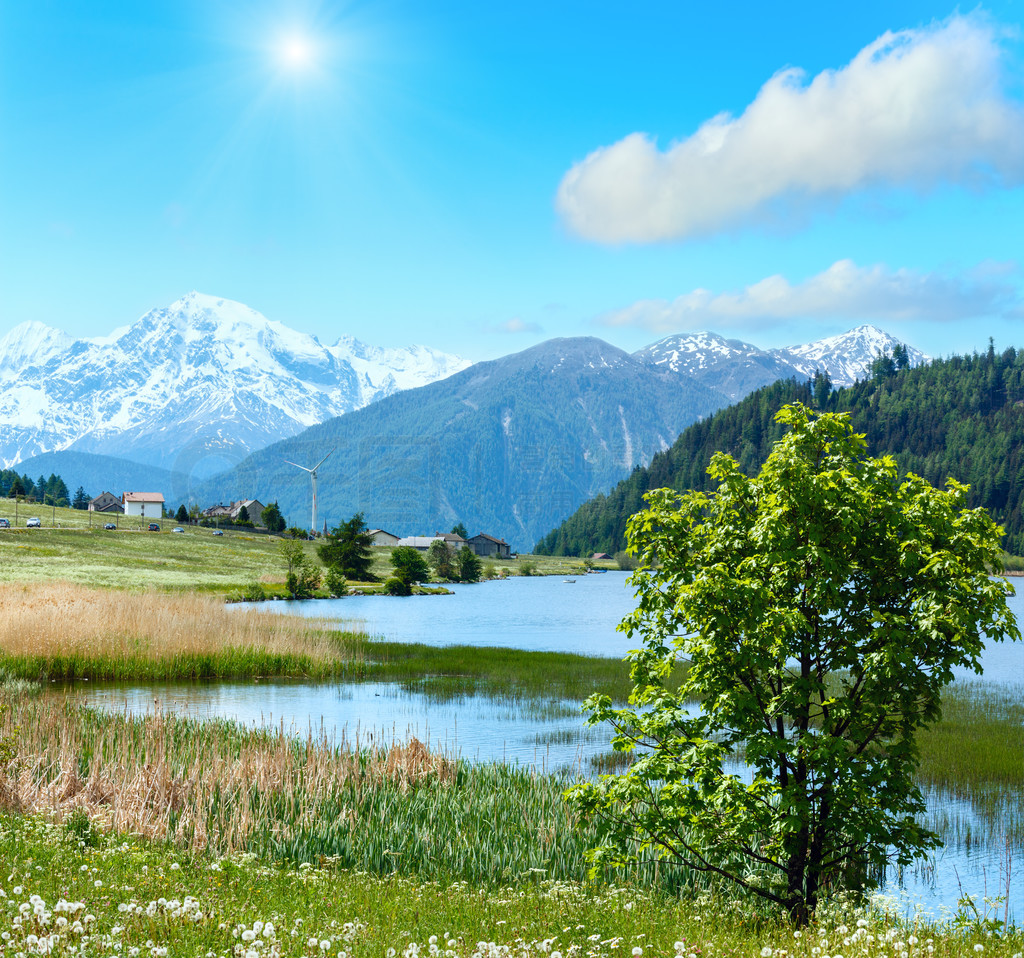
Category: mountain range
[960,418]
[208,386]
[202,379]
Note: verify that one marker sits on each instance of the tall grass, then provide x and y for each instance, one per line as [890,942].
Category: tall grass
[63,631]
[216,786]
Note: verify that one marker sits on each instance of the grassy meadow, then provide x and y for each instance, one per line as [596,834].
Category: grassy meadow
[73,546]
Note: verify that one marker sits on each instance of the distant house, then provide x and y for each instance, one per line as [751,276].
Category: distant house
[452,540]
[252,506]
[146,504]
[423,543]
[381,537]
[597,556]
[485,545]
[106,502]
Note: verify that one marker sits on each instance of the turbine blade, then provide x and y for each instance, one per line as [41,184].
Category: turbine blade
[325,458]
[290,463]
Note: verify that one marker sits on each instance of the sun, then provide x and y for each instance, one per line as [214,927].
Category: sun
[296,52]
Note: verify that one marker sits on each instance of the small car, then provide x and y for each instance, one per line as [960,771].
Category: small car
[5,523]
[154,527]
[34,523]
[218,532]
[177,529]
[109,525]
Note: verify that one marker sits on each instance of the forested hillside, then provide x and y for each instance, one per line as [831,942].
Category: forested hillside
[961,417]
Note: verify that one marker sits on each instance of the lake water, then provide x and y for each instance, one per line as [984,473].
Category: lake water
[539,613]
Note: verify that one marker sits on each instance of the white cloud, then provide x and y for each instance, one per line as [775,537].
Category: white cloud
[843,291]
[517,325]
[913,108]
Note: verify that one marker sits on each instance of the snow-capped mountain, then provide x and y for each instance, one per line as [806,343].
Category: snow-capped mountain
[202,378]
[737,368]
[846,357]
[28,344]
[731,366]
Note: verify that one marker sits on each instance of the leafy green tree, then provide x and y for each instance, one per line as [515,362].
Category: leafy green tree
[822,606]
[468,565]
[303,576]
[459,529]
[243,515]
[441,559]
[182,514]
[335,581]
[17,488]
[273,521]
[348,547]
[409,565]
[81,500]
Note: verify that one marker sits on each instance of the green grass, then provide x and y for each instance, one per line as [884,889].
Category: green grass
[74,546]
[454,670]
[185,904]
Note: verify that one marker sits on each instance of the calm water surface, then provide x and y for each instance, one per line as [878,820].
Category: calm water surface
[538,613]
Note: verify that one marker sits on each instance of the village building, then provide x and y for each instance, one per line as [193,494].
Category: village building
[252,506]
[106,502]
[381,537]
[485,545]
[148,505]
[422,543]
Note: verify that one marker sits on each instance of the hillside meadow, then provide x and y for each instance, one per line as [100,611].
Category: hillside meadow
[73,546]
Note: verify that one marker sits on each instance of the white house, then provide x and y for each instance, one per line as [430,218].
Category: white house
[149,505]
[381,537]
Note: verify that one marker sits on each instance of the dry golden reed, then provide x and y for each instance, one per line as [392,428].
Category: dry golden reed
[46,621]
[168,778]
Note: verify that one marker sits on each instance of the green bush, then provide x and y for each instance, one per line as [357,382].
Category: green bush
[253,592]
[335,581]
[395,586]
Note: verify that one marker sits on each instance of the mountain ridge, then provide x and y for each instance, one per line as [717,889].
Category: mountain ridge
[202,371]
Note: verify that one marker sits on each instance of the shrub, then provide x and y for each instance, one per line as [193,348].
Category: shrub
[253,592]
[335,581]
[527,568]
[395,586]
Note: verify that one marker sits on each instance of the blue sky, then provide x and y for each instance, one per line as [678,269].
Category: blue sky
[480,177]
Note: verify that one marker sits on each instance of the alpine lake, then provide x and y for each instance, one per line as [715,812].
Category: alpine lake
[984,840]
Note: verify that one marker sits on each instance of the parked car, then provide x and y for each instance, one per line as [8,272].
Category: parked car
[154,527]
[177,529]
[218,532]
[34,523]
[5,523]
[109,525]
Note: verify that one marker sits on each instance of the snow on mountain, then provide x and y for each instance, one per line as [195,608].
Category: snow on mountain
[28,344]
[202,377]
[731,366]
[846,357]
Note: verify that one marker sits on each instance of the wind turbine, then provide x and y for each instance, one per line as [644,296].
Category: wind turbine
[312,477]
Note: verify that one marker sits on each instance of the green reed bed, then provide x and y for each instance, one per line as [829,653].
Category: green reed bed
[185,666]
[455,670]
[979,741]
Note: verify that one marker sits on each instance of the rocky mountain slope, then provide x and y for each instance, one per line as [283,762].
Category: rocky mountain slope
[507,447]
